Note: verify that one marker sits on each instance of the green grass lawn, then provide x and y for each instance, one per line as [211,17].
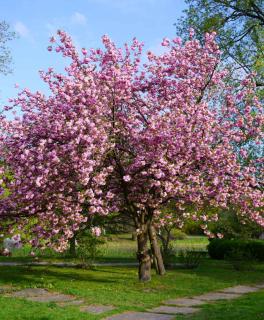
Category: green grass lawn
[119,287]
[118,248]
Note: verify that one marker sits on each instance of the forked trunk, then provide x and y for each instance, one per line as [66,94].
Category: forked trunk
[143,255]
[158,260]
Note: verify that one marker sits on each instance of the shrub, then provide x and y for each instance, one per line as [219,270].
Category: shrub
[240,260]
[177,234]
[192,228]
[88,248]
[233,226]
[190,258]
[220,248]
[168,254]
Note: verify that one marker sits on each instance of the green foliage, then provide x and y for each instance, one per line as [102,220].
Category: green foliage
[5,177]
[192,228]
[88,248]
[177,234]
[240,259]
[191,259]
[168,254]
[232,226]
[222,248]
[240,31]
[5,56]
[1,242]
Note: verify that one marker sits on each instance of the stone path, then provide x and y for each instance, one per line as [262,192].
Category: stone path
[214,296]
[141,316]
[96,309]
[166,311]
[185,302]
[62,300]
[189,305]
[240,289]
[174,310]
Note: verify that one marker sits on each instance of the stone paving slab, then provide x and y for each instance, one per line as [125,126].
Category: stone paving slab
[2,290]
[96,309]
[184,302]
[30,292]
[174,310]
[71,303]
[213,296]
[52,298]
[6,289]
[140,316]
[240,289]
[42,295]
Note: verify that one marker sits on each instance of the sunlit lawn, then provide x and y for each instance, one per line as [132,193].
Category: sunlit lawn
[119,286]
[116,286]
[116,248]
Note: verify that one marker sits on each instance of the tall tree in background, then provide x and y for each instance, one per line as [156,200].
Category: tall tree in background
[5,57]
[240,31]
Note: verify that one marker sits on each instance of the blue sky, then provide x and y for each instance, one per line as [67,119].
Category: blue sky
[86,20]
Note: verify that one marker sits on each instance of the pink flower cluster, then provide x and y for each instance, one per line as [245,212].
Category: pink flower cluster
[96,231]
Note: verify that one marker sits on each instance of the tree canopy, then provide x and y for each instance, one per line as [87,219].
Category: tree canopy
[240,31]
[118,135]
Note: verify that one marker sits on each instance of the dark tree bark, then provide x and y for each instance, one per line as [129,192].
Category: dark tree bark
[165,237]
[158,260]
[143,255]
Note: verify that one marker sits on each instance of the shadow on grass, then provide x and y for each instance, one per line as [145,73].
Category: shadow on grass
[210,275]
[23,275]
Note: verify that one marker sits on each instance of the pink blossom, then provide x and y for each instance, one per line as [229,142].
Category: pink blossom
[127,178]
[165,42]
[96,231]
[84,51]
[6,252]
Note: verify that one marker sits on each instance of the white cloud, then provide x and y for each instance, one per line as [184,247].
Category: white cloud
[78,18]
[22,29]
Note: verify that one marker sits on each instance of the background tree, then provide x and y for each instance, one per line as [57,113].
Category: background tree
[240,31]
[239,25]
[5,56]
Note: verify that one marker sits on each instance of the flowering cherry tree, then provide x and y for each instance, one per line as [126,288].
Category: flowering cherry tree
[119,135]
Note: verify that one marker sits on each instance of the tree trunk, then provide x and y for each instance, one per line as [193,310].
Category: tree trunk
[156,250]
[153,257]
[73,246]
[144,259]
